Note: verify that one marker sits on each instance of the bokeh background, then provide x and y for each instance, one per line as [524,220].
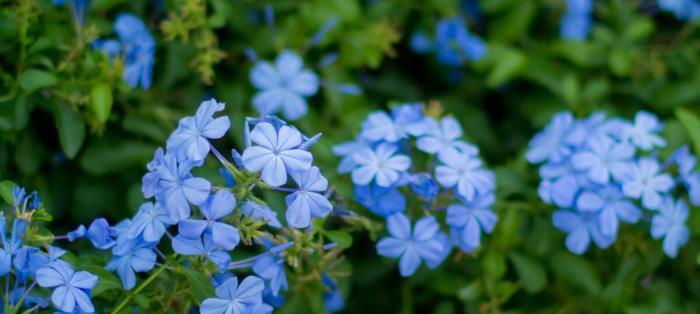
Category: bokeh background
[541,58]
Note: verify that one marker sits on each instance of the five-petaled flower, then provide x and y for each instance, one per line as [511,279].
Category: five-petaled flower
[72,289]
[382,164]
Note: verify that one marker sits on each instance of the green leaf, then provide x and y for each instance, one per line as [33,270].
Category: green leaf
[110,157]
[620,61]
[691,122]
[532,274]
[507,64]
[341,238]
[71,130]
[576,271]
[494,265]
[34,79]
[101,101]
[200,285]
[6,191]
[106,282]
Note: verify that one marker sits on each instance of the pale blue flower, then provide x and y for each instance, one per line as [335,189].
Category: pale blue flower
[191,138]
[284,86]
[382,165]
[138,256]
[684,10]
[256,210]
[151,222]
[71,289]
[423,243]
[444,137]
[307,202]
[424,186]
[11,245]
[685,160]
[643,133]
[692,183]
[346,150]
[472,218]
[576,22]
[101,234]
[204,247]
[381,201]
[550,143]
[465,173]
[455,45]
[276,153]
[217,207]
[669,223]
[603,158]
[647,183]
[405,120]
[271,269]
[177,187]
[332,298]
[149,182]
[234,299]
[611,206]
[580,227]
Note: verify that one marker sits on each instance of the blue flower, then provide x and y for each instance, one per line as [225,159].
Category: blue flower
[647,183]
[77,233]
[643,133]
[11,245]
[550,144]
[72,289]
[137,46]
[347,150]
[381,201]
[382,165]
[576,22]
[472,218]
[259,211]
[332,298]
[669,223]
[214,209]
[191,138]
[405,120]
[685,10]
[604,158]
[420,42]
[444,138]
[611,206]
[307,202]
[100,234]
[412,247]
[138,256]
[150,222]
[581,228]
[204,247]
[685,160]
[692,182]
[276,153]
[78,9]
[271,268]
[454,43]
[177,188]
[424,186]
[284,86]
[234,299]
[149,182]
[465,172]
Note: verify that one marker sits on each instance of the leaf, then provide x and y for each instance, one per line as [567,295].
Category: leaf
[576,271]
[106,282]
[691,122]
[71,130]
[34,79]
[29,153]
[101,101]
[494,265]
[532,273]
[110,157]
[620,61]
[507,64]
[6,191]
[200,285]
[341,238]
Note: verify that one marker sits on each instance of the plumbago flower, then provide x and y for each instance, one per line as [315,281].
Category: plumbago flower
[603,172]
[453,44]
[576,21]
[215,223]
[33,269]
[386,178]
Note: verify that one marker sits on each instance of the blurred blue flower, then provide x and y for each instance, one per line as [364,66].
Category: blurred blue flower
[346,150]
[256,210]
[455,45]
[669,223]
[424,186]
[71,289]
[332,298]
[77,233]
[381,201]
[138,257]
[472,218]
[604,158]
[11,245]
[307,202]
[101,234]
[271,268]
[685,160]
[412,247]
[576,22]
[643,133]
[218,206]
[382,165]
[405,120]
[276,153]
[550,144]
[692,183]
[684,10]
[234,299]
[204,247]
[465,172]
[284,86]
[191,138]
[611,206]
[151,222]
[444,137]
[421,42]
[78,9]
[177,187]
[647,183]
[149,182]
[581,228]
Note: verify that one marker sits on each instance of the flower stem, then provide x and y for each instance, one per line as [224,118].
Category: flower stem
[143,285]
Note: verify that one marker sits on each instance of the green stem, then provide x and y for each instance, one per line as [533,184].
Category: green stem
[143,285]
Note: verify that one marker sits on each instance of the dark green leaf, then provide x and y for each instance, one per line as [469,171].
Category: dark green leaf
[34,79]
[71,129]
[199,283]
[691,122]
[531,273]
[576,271]
[6,191]
[341,238]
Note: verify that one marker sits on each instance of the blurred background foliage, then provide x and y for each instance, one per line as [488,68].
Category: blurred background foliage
[70,127]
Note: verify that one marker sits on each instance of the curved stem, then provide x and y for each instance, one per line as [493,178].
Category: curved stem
[135,292]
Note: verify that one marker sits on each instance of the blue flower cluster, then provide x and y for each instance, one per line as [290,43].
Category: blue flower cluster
[385,178]
[274,152]
[684,10]
[602,172]
[27,268]
[137,48]
[576,21]
[453,45]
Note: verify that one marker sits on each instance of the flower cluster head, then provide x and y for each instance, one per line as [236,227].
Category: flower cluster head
[453,44]
[28,262]
[213,220]
[406,165]
[684,10]
[137,48]
[602,172]
[576,21]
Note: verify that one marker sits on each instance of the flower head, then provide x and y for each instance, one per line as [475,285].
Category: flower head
[191,138]
[643,133]
[307,202]
[581,228]
[151,221]
[232,298]
[647,183]
[669,224]
[72,289]
[177,187]
[382,165]
[472,218]
[454,43]
[218,206]
[466,173]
